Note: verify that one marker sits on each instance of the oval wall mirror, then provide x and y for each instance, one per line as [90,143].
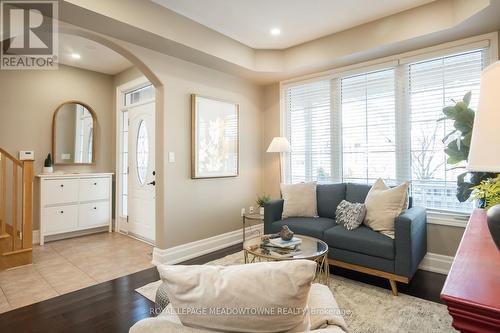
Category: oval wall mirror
[73,134]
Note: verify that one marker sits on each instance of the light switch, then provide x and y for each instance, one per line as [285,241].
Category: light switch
[171,157]
[65,156]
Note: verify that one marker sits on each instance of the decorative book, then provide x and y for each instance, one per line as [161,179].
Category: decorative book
[280,243]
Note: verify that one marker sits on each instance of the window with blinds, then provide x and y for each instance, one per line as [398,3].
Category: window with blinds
[383,124]
[308,128]
[434,84]
[368,105]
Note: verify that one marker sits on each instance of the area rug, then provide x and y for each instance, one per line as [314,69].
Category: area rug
[368,309]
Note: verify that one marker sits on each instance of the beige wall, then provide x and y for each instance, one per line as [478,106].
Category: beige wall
[28,100]
[198,209]
[443,239]
[191,209]
[271,129]
[126,76]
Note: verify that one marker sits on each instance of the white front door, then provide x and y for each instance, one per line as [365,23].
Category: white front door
[141,175]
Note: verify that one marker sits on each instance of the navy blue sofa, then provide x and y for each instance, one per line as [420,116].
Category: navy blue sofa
[361,249]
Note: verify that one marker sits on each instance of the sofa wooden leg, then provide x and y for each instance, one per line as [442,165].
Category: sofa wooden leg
[394,287]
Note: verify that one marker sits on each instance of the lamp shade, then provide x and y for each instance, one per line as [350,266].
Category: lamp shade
[484,152]
[279,145]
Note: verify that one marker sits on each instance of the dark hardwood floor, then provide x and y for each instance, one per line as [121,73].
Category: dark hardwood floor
[114,306]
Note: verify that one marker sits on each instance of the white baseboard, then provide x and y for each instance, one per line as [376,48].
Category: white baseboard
[195,249]
[436,263]
[432,262]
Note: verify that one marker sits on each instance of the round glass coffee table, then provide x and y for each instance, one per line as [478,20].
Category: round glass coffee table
[255,250]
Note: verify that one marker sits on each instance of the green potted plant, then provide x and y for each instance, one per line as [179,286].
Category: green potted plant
[261,201]
[458,145]
[488,192]
[47,165]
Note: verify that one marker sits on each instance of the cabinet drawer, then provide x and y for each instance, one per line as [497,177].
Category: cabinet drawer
[94,189]
[93,214]
[58,191]
[60,219]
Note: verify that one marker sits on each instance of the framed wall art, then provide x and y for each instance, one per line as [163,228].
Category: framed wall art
[214,138]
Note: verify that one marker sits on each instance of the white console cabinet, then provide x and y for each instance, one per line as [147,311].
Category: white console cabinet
[74,202]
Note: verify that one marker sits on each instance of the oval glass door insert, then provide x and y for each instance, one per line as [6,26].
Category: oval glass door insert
[142,158]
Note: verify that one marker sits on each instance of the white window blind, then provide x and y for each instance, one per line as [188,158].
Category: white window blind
[434,84]
[308,127]
[383,124]
[368,105]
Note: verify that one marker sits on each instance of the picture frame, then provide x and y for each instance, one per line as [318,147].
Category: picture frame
[214,138]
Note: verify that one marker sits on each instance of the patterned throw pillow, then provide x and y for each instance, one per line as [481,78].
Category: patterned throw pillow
[350,214]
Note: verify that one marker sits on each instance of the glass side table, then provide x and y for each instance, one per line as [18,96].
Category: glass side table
[311,248]
[251,218]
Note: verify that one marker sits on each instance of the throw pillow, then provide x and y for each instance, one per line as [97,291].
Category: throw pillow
[299,200]
[260,297]
[384,204]
[350,214]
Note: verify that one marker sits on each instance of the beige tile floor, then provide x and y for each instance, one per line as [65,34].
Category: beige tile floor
[67,265]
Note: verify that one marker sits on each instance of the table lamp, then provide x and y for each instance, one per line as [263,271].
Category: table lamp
[279,145]
[484,152]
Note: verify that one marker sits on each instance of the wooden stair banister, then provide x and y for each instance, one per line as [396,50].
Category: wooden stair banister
[3,201]
[27,232]
[15,240]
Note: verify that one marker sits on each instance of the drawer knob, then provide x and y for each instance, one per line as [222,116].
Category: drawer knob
[62,211]
[62,185]
[95,183]
[95,207]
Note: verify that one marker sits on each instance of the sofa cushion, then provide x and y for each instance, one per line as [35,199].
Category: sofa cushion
[362,240]
[350,214]
[384,204]
[299,200]
[361,259]
[329,197]
[356,192]
[314,227]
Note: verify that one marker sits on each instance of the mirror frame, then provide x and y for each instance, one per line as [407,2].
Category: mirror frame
[94,126]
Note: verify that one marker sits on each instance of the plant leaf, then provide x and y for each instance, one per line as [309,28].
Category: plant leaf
[461,106]
[450,112]
[467,98]
[467,139]
[448,135]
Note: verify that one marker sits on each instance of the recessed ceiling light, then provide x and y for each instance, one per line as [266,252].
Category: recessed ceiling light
[275,31]
[75,56]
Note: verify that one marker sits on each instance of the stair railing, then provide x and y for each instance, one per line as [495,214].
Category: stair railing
[21,235]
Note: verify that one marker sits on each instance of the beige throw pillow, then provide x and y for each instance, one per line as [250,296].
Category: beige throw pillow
[260,297]
[384,204]
[300,200]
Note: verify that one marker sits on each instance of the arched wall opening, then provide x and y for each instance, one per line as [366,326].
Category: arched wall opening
[159,115]
[159,124]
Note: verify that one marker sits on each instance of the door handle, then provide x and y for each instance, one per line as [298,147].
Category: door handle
[152,183]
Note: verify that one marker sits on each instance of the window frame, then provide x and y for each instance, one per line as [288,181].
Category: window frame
[400,63]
